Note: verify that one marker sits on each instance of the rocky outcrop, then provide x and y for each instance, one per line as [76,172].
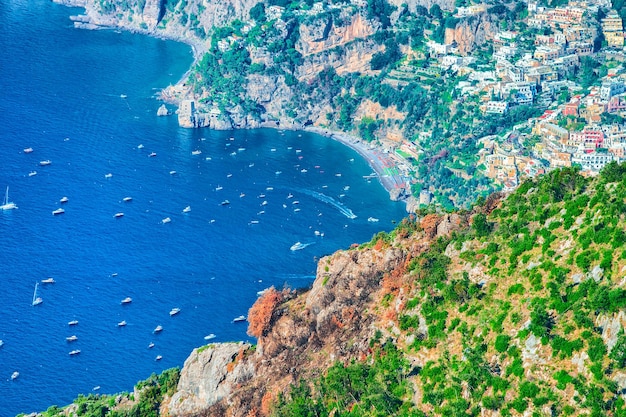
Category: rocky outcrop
[473,31]
[209,375]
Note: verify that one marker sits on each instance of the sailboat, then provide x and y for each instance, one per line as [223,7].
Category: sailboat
[36,300]
[7,205]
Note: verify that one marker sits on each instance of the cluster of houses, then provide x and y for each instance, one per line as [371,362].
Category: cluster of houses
[537,68]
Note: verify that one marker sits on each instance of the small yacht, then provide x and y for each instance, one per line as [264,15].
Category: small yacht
[58,211]
[6,204]
[122,323]
[127,199]
[44,163]
[218,188]
[14,375]
[297,246]
[151,345]
[278,172]
[372,219]
[242,195]
[158,329]
[303,170]
[28,150]
[127,300]
[225,203]
[32,173]
[109,175]
[120,214]
[74,352]
[140,146]
[239,319]
[196,152]
[174,311]
[158,358]
[152,154]
[64,200]
[172,172]
[48,281]
[166,220]
[187,209]
[209,336]
[72,338]
[72,323]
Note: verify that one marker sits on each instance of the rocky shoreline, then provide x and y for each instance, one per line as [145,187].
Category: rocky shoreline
[381,162]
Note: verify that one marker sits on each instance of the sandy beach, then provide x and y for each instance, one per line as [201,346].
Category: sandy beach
[382,163]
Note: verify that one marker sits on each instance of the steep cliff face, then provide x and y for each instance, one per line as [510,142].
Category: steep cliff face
[473,31]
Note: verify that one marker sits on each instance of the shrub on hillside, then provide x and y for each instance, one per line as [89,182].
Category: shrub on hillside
[260,314]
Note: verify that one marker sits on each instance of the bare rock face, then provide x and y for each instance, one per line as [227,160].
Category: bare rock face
[208,376]
[473,31]
[152,13]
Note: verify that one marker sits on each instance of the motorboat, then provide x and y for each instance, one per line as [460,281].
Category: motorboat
[158,329]
[75,352]
[28,150]
[196,152]
[48,281]
[225,203]
[166,220]
[297,246]
[209,336]
[140,146]
[187,209]
[14,375]
[44,163]
[158,358]
[72,338]
[239,319]
[372,219]
[151,345]
[127,300]
[64,200]
[122,323]
[1,343]
[6,204]
[58,211]
[72,323]
[218,188]
[174,311]
[172,172]
[32,173]
[152,154]
[109,175]
[303,170]
[127,199]
[118,214]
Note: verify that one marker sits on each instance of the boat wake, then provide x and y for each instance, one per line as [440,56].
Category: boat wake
[331,201]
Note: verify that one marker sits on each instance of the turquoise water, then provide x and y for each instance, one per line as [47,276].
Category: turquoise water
[85,101]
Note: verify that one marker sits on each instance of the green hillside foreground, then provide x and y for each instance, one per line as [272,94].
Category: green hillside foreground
[519,313]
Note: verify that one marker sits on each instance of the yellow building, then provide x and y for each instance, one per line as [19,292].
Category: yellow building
[613,30]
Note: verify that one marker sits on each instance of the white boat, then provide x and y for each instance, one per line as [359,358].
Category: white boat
[74,352]
[151,345]
[109,175]
[152,154]
[273,150]
[218,188]
[44,163]
[278,172]
[372,219]
[48,281]
[158,329]
[127,300]
[241,149]
[28,150]
[303,170]
[64,200]
[6,204]
[1,343]
[172,172]
[140,146]
[166,220]
[127,199]
[36,299]
[32,173]
[122,323]
[72,338]
[158,358]
[187,209]
[14,375]
[196,152]
[225,203]
[123,96]
[239,319]
[118,214]
[72,323]
[298,246]
[174,311]
[58,211]
[96,388]
[209,336]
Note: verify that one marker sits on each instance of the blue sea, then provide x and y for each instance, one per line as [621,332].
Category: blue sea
[85,100]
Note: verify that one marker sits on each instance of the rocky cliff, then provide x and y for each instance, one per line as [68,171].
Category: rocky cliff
[505,310]
[473,31]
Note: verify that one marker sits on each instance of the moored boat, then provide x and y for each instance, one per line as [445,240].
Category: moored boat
[14,375]
[166,220]
[58,211]
[64,200]
[72,323]
[127,199]
[48,281]
[127,300]
[44,163]
[239,319]
[209,336]
[158,329]
[7,205]
[174,311]
[28,150]
[72,338]
[120,214]
[74,352]
[187,209]
[122,323]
